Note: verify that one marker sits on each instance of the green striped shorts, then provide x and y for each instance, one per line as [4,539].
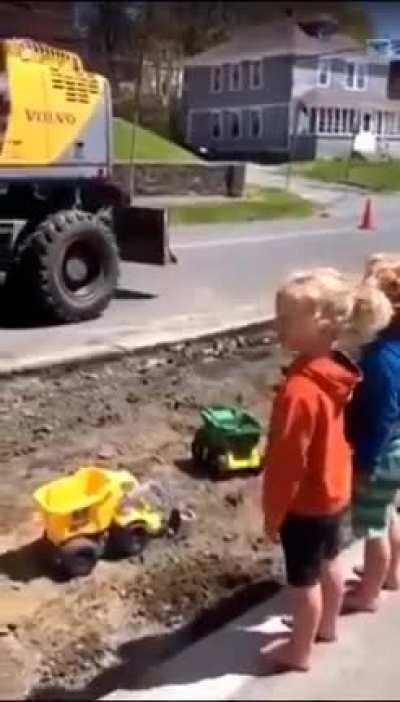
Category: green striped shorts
[374,504]
[373,508]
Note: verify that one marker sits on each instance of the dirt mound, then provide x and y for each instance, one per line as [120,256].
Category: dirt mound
[139,414]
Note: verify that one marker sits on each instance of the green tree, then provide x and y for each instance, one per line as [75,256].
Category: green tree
[356,22]
[109,34]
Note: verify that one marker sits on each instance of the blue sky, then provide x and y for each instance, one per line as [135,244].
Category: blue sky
[386,18]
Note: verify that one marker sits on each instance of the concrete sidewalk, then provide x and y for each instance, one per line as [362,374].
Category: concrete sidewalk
[330,195]
[226,666]
[325,195]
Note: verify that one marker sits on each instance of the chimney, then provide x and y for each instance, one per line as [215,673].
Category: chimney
[319,25]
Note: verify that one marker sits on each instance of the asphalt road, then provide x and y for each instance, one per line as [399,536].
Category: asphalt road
[225,275]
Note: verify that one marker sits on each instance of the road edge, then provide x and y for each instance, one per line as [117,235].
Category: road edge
[128,346]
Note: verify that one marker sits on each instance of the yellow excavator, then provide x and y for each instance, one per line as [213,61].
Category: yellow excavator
[65,222]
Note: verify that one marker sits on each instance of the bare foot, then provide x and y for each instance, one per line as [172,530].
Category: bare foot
[283,660]
[392,583]
[321,636]
[357,602]
[326,637]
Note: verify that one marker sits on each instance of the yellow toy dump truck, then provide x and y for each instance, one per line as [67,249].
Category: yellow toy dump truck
[97,512]
[64,221]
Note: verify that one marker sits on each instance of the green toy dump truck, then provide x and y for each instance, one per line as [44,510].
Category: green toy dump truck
[228,441]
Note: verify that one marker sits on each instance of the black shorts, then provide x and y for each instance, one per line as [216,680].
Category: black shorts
[307,542]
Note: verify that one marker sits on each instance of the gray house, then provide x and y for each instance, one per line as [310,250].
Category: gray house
[289,88]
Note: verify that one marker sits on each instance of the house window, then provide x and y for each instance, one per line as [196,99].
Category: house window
[255,75]
[235,76]
[394,80]
[216,125]
[216,79]
[189,126]
[333,120]
[179,84]
[313,120]
[389,123]
[255,124]
[356,76]
[321,120]
[345,121]
[379,123]
[303,120]
[329,119]
[367,121]
[353,121]
[336,124]
[324,73]
[235,124]
[361,77]
[350,75]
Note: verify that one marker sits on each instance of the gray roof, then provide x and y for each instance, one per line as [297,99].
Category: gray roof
[348,98]
[280,38]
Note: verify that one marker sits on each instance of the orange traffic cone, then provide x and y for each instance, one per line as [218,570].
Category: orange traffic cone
[367,219]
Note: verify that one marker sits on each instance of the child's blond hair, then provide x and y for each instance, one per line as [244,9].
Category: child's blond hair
[344,310]
[383,271]
[376,261]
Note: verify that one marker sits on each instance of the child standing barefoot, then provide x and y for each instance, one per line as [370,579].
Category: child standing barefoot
[307,475]
[374,430]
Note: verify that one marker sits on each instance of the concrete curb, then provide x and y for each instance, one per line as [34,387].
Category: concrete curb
[129,345]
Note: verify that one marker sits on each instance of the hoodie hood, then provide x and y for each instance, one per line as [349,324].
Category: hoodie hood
[336,375]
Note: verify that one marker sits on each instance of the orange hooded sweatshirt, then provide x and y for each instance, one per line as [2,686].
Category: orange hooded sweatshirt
[307,467]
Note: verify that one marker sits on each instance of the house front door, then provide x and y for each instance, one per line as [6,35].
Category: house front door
[369,122]
[365,141]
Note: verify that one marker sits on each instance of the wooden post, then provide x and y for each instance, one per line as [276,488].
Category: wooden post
[355,129]
[294,121]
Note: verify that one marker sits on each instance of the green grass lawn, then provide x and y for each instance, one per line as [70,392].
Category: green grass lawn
[149,146]
[257,204]
[381,176]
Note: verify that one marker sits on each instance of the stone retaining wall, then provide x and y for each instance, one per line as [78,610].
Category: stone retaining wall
[159,179]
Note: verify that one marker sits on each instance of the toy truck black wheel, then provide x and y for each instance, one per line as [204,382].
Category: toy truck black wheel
[128,541]
[200,450]
[74,558]
[217,463]
[221,463]
[205,457]
[71,262]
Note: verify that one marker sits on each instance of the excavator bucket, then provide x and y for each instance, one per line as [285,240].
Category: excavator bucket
[142,235]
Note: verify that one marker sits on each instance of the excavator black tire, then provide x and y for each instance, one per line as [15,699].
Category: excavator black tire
[70,265]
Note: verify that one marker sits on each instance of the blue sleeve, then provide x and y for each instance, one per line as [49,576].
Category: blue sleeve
[374,410]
